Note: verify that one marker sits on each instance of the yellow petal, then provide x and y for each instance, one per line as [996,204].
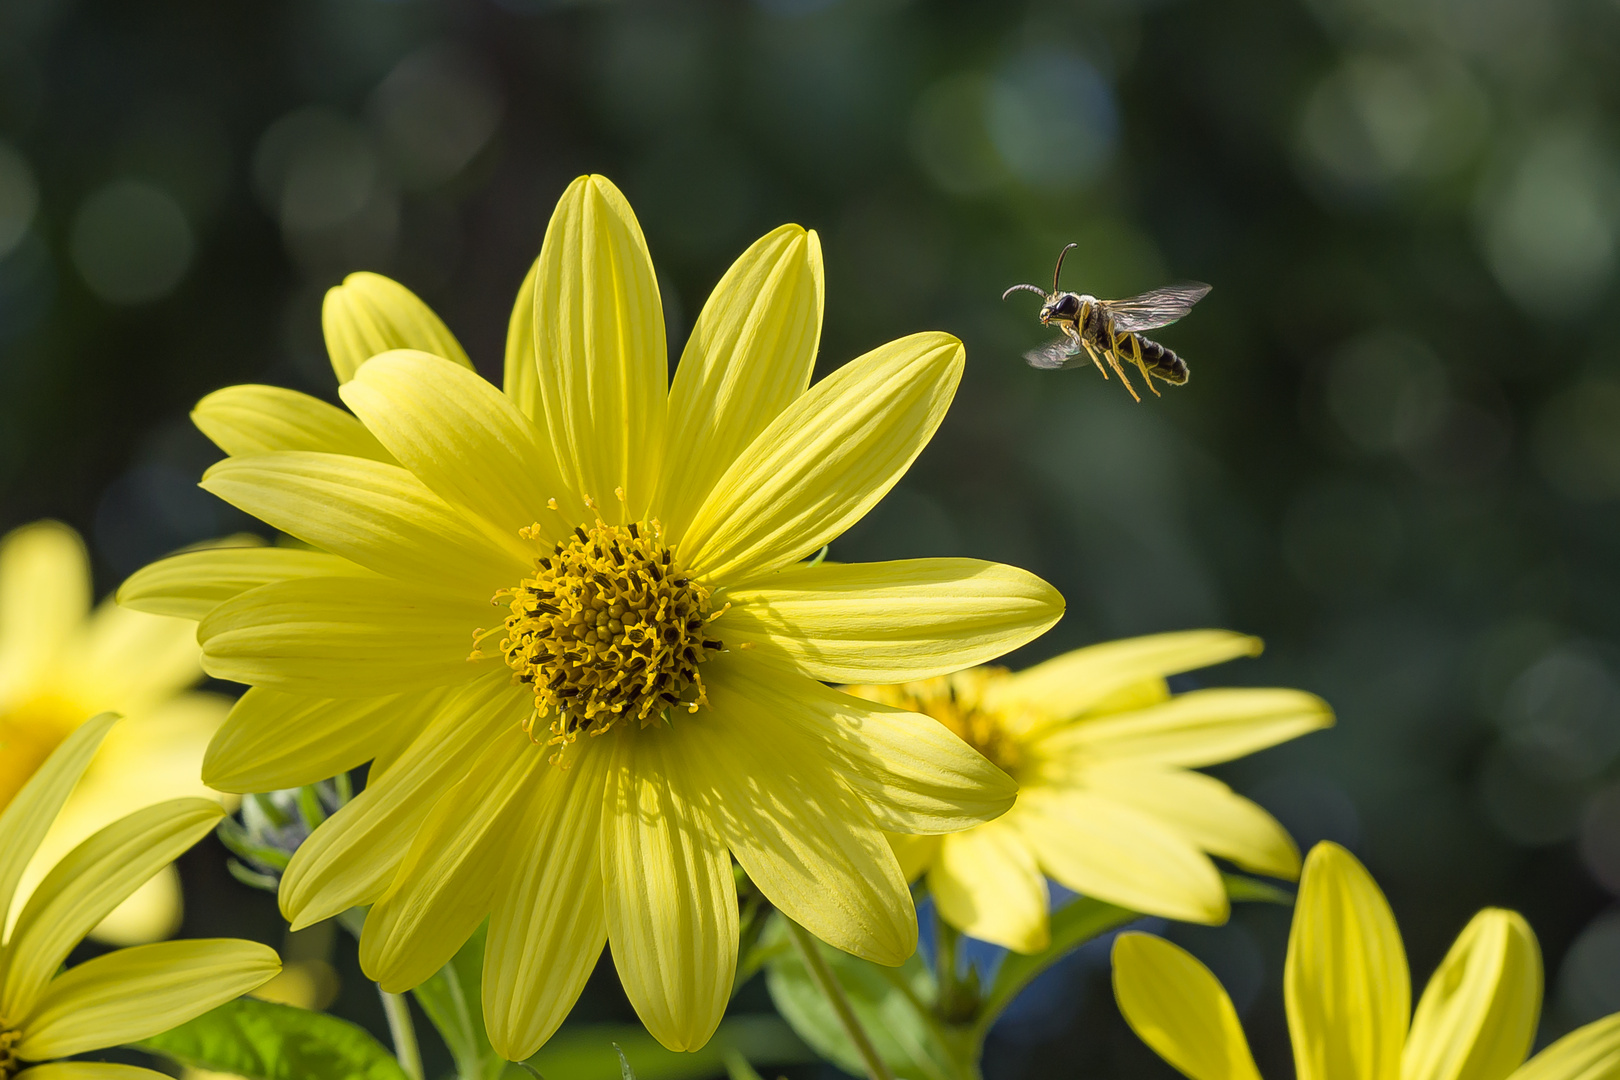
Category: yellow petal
[274,740]
[1078,681]
[599,342]
[351,858]
[130,661]
[252,419]
[1587,1053]
[547,930]
[89,1070]
[446,884]
[94,878]
[521,382]
[377,515]
[1345,983]
[1116,853]
[1178,1007]
[749,356]
[1203,727]
[193,583]
[671,902]
[44,595]
[344,637]
[987,885]
[914,775]
[802,836]
[151,913]
[915,854]
[135,993]
[825,460]
[891,621]
[468,443]
[1203,810]
[1477,1017]
[370,314]
[26,819]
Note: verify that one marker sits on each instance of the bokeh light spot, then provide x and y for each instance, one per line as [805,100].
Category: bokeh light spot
[131,243]
[19,198]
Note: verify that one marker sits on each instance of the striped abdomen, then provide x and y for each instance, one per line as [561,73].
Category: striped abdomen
[1161,361]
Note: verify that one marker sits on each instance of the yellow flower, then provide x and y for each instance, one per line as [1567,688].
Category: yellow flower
[641,704]
[1349,996]
[59,663]
[1106,804]
[47,1013]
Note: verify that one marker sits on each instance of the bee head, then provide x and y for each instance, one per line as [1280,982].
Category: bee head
[1066,306]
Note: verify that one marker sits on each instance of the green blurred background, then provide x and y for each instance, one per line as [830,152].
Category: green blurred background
[1398,458]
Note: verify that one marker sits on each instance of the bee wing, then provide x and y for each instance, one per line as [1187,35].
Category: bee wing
[1159,307]
[1054,354]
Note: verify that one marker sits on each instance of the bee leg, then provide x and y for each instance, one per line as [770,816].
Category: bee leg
[1136,356]
[1113,362]
[1091,353]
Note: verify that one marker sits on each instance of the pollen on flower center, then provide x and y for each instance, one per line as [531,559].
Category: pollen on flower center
[954,700]
[10,1065]
[607,628]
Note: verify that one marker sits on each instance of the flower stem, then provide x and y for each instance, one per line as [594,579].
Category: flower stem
[398,1011]
[821,974]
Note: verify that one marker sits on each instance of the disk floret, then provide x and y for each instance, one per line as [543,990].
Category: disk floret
[10,1065]
[608,628]
[955,701]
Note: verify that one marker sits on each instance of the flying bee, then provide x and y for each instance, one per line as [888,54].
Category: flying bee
[1112,329]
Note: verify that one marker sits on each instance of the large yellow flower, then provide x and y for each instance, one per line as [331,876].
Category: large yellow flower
[1107,805]
[59,663]
[1349,997]
[581,761]
[47,1013]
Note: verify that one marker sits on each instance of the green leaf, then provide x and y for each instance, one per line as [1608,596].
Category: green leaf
[1073,925]
[892,1004]
[588,1052]
[453,1000]
[1239,887]
[262,1041]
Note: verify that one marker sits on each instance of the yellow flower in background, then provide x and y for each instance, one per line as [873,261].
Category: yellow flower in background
[119,997]
[1349,995]
[60,663]
[1106,804]
[580,757]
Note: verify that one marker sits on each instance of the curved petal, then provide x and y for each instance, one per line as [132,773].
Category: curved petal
[915,854]
[370,314]
[89,1070]
[670,899]
[547,930]
[1203,810]
[1113,852]
[193,583]
[599,345]
[521,380]
[377,515]
[1587,1053]
[351,858]
[1345,982]
[802,836]
[987,885]
[446,884]
[343,637]
[914,775]
[1178,1007]
[151,913]
[1202,727]
[891,622]
[1076,682]
[825,460]
[468,443]
[1477,1017]
[44,595]
[252,419]
[749,356]
[135,993]
[94,878]
[273,740]
[130,661]
[27,818]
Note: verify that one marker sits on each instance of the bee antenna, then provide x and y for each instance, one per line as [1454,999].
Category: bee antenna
[1036,289]
[1059,269]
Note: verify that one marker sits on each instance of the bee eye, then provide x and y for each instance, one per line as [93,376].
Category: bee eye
[1068,306]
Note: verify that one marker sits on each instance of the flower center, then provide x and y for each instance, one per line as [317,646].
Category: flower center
[10,1064]
[954,700]
[28,734]
[608,628]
